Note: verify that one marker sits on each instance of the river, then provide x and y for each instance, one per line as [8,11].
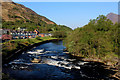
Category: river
[54,64]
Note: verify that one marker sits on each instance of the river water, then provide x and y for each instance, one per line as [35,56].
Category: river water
[54,64]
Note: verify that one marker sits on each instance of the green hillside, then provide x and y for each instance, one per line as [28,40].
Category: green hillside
[15,15]
[98,39]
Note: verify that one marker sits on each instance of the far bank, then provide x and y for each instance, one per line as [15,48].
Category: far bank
[13,48]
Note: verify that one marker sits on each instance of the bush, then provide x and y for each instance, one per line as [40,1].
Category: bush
[59,34]
[97,38]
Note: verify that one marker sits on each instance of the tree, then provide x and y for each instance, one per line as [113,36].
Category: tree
[97,38]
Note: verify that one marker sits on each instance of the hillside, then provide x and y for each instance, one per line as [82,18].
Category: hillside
[12,11]
[15,15]
[95,41]
[113,17]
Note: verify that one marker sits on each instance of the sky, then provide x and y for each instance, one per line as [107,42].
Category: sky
[65,0]
[72,14]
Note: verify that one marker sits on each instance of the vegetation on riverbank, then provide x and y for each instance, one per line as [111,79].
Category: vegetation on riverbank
[10,47]
[6,77]
[61,31]
[97,41]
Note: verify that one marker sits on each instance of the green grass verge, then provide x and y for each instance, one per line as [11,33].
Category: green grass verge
[11,46]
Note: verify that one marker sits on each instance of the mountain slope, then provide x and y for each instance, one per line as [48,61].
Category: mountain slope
[15,15]
[113,17]
[13,11]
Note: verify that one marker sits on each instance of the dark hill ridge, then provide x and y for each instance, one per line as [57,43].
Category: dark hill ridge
[113,17]
[13,11]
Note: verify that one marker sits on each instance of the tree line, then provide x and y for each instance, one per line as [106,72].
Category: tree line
[59,31]
[99,38]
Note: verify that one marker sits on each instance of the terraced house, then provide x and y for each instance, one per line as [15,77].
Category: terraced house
[22,34]
[7,34]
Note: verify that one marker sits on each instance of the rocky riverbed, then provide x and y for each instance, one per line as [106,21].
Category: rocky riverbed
[55,64]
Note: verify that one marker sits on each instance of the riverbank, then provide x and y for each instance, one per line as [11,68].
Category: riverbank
[13,48]
[110,63]
[113,62]
[54,64]
[37,42]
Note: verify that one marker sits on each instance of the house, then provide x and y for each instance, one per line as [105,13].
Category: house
[36,31]
[0,37]
[41,35]
[6,37]
[22,34]
[48,34]
[5,31]
[32,34]
[22,28]
[4,34]
[45,34]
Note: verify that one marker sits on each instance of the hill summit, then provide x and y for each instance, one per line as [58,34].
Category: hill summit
[113,17]
[13,11]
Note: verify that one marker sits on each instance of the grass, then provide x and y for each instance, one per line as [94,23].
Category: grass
[33,40]
[11,46]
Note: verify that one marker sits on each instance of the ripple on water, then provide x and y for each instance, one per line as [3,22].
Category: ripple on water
[55,64]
